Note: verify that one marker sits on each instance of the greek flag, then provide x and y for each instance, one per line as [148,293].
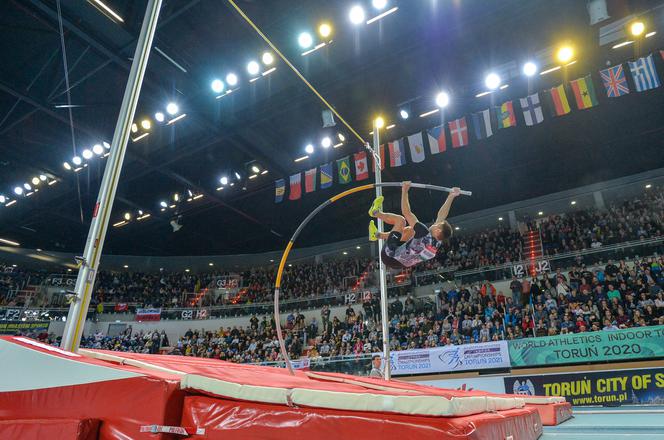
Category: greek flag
[644,73]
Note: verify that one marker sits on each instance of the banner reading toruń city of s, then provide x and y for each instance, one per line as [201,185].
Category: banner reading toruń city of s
[602,346]
[450,358]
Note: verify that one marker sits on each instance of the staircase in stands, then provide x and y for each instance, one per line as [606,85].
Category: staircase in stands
[533,250]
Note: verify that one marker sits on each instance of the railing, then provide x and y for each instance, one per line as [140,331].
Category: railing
[565,260]
[356,365]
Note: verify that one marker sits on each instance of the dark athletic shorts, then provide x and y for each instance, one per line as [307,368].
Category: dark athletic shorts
[394,241]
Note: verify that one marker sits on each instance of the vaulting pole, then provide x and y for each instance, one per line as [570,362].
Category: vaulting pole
[384,317]
[89,263]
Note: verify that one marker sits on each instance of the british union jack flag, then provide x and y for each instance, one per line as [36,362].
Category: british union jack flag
[614,81]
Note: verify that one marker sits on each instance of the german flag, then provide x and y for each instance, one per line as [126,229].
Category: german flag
[556,100]
[584,92]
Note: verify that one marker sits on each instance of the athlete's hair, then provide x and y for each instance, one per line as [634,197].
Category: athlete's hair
[446,229]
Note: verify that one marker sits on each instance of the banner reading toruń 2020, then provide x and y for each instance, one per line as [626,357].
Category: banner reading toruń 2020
[450,358]
[602,346]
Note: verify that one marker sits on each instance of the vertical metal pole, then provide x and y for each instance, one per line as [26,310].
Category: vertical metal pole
[387,374]
[100,217]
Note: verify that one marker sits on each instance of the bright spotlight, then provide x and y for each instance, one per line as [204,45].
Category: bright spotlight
[379,4]
[87,154]
[637,28]
[238,176]
[172,108]
[98,149]
[18,190]
[253,68]
[127,216]
[326,142]
[530,68]
[106,145]
[163,204]
[217,86]
[134,128]
[492,81]
[76,160]
[565,54]
[3,199]
[43,177]
[356,14]
[267,58]
[379,122]
[176,197]
[404,114]
[159,116]
[224,180]
[67,166]
[325,30]
[309,149]
[231,79]
[255,169]
[341,137]
[146,124]
[442,99]
[305,40]
[27,186]
[35,181]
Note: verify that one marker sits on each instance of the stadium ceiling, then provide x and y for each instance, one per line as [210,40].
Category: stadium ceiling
[398,62]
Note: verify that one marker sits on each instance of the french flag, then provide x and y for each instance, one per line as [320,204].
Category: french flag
[397,153]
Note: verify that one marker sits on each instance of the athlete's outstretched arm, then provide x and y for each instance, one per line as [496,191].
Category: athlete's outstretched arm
[444,210]
[405,204]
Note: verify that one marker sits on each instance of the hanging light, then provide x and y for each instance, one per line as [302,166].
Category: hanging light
[98,149]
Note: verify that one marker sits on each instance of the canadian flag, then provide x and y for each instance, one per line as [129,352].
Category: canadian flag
[361,166]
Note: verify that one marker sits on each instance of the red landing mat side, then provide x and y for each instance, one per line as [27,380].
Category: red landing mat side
[31,429]
[122,406]
[233,420]
[554,413]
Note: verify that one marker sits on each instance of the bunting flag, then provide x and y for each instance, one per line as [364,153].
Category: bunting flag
[381,151]
[481,122]
[295,187]
[436,138]
[310,180]
[326,178]
[279,190]
[532,109]
[614,81]
[397,153]
[361,165]
[557,100]
[505,115]
[416,144]
[343,165]
[584,92]
[458,132]
[644,74]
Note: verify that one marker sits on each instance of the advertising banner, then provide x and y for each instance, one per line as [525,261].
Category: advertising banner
[23,327]
[602,346]
[148,314]
[488,384]
[451,358]
[637,386]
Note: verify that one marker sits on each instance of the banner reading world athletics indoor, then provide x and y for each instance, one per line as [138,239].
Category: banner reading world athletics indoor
[450,358]
[602,346]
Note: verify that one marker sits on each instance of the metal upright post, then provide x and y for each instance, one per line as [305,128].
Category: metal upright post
[89,262]
[381,267]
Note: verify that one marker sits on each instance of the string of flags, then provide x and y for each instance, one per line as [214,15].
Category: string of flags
[480,125]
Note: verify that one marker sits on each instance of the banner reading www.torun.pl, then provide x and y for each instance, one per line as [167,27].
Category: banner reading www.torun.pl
[602,346]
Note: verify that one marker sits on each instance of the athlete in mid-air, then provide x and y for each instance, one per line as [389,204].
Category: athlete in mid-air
[410,242]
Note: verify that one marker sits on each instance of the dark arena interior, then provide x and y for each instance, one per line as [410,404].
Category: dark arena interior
[281,219]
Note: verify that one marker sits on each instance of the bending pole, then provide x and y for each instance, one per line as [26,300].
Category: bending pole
[89,263]
[284,256]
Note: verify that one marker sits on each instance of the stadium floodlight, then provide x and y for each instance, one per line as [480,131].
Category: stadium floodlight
[35,181]
[67,166]
[255,169]
[379,4]
[163,204]
[146,124]
[309,149]
[326,142]
[127,216]
[172,108]
[159,117]
[231,79]
[106,145]
[379,122]
[325,30]
[305,40]
[341,137]
[253,68]
[27,186]
[43,177]
[356,15]
[18,190]
[224,180]
[217,85]
[87,154]
[76,160]
[134,128]
[3,199]
[404,114]
[267,58]
[238,176]
[492,81]
[442,99]
[98,149]
[529,68]
[565,54]
[637,28]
